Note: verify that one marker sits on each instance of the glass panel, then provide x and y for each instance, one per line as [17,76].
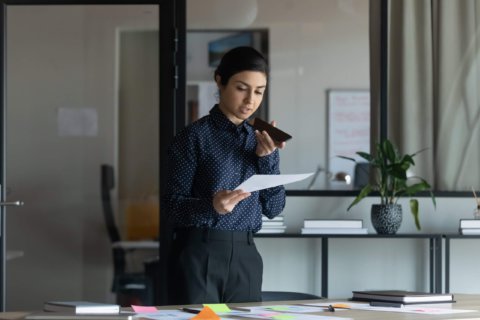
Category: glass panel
[433,100]
[314,47]
[82,90]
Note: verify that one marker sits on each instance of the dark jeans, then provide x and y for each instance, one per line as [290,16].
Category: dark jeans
[214,266]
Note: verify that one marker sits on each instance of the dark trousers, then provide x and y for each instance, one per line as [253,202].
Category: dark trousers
[214,266]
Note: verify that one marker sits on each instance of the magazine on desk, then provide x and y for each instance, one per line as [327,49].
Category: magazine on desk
[401,296]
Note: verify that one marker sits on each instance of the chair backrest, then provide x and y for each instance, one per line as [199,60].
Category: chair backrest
[107,184]
[361,175]
[287,295]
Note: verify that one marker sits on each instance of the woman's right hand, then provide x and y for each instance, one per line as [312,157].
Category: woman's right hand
[225,200]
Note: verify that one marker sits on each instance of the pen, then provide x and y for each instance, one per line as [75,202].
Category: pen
[190,310]
[385,304]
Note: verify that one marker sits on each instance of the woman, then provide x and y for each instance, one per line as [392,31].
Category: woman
[214,258]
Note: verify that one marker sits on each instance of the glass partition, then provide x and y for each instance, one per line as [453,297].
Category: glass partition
[318,53]
[434,106]
[82,90]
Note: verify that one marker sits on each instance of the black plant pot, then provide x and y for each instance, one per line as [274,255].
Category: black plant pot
[386,218]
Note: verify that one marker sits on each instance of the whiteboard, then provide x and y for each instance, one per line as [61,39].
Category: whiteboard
[348,128]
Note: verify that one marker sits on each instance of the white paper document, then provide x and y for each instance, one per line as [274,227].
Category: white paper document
[264,181]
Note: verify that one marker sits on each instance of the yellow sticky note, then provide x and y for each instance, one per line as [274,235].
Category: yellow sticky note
[218,307]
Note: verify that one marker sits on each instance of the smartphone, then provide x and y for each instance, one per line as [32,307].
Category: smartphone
[275,133]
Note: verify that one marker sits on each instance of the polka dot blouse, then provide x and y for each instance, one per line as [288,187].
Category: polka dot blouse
[210,155]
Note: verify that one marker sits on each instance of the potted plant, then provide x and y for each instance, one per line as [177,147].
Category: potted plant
[390,180]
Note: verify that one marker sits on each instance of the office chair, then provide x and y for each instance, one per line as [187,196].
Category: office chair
[361,175]
[287,295]
[130,288]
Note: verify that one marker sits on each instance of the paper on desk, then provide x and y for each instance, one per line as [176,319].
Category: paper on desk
[264,181]
[269,315]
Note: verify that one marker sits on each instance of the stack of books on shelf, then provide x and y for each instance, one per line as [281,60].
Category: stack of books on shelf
[324,226]
[275,225]
[469,226]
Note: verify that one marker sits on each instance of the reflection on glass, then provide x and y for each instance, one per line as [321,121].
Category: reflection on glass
[82,90]
[313,47]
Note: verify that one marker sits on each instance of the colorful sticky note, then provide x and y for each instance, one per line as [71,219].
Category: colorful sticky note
[218,307]
[144,309]
[283,317]
[279,308]
[206,314]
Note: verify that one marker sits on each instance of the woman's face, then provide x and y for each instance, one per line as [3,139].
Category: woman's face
[242,95]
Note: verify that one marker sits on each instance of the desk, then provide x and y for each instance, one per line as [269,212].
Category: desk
[435,252]
[464,301]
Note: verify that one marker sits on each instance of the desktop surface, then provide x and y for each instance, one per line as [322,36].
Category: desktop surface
[463,301]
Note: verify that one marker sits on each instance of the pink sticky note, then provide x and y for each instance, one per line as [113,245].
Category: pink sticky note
[143,309]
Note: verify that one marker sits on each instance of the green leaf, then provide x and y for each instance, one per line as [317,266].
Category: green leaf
[363,193]
[417,187]
[433,199]
[414,210]
[389,150]
[347,158]
[397,171]
[408,160]
[421,150]
[364,155]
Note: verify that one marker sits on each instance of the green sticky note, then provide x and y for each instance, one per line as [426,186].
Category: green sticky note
[279,308]
[218,307]
[283,317]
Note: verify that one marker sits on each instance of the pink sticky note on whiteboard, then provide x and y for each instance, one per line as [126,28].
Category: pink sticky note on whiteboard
[143,309]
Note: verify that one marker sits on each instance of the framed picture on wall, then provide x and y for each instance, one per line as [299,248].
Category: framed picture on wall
[205,48]
[217,48]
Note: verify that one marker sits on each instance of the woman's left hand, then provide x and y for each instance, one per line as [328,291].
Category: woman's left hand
[265,144]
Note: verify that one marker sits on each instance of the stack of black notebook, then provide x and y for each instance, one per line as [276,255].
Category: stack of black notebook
[402,297]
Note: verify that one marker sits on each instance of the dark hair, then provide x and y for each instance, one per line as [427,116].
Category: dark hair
[240,59]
